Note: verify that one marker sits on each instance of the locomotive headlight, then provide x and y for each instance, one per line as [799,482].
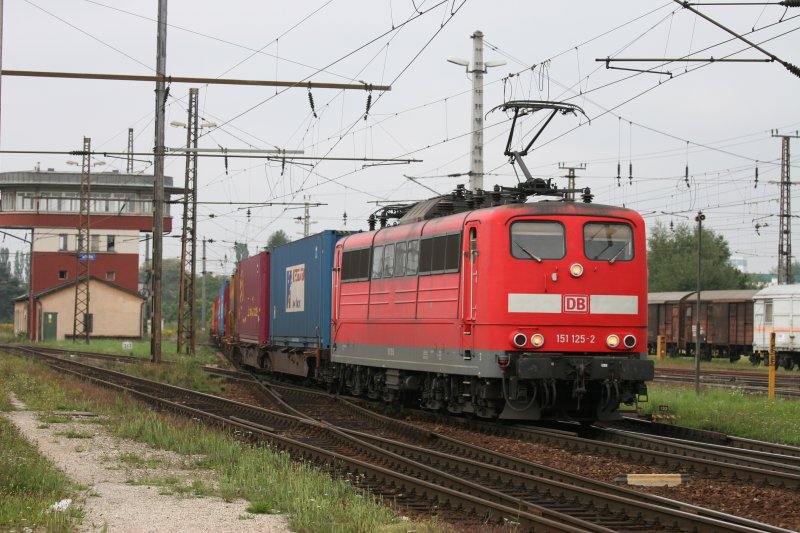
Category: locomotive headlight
[629,341]
[576,269]
[537,339]
[612,341]
[519,340]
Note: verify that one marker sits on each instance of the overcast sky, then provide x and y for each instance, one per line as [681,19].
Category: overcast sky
[715,118]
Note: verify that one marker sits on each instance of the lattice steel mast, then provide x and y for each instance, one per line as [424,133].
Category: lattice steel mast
[186,299]
[130,151]
[81,324]
[785,276]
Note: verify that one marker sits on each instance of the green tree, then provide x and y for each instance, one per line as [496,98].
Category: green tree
[10,288]
[240,248]
[672,261]
[278,238]
[169,296]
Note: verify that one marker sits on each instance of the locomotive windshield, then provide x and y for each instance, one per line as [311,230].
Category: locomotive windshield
[537,240]
[608,242]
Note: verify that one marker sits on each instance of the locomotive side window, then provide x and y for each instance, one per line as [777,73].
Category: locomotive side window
[355,265]
[605,241]
[439,255]
[412,258]
[377,262]
[767,312]
[537,240]
[400,259]
[388,261]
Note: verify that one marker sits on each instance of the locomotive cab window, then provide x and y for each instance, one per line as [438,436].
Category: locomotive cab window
[535,240]
[606,241]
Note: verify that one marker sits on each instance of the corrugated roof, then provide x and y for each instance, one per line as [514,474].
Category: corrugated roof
[30,178]
[778,290]
[743,294]
[57,288]
[663,297]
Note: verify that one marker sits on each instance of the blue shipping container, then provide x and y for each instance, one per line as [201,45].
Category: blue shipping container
[300,291]
[223,309]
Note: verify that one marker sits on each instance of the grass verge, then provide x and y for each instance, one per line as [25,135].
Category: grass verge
[732,412]
[267,479]
[29,484]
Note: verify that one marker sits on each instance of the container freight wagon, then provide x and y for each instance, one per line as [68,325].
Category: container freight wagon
[222,309]
[777,310]
[252,307]
[215,321]
[300,303]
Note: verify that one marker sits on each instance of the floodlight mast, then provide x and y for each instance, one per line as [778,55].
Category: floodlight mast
[479,68]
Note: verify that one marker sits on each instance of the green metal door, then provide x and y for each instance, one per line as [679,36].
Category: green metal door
[49,329]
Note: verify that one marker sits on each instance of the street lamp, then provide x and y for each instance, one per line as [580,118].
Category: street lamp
[478,70]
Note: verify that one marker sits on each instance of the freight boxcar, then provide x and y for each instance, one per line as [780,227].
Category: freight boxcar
[777,309]
[666,313]
[726,324]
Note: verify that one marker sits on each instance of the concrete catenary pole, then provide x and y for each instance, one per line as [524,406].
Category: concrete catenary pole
[476,161]
[158,181]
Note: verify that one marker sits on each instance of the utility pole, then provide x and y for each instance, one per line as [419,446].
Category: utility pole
[203,292]
[148,278]
[186,299]
[571,178]
[785,275]
[158,181]
[305,220]
[699,218]
[82,324]
[479,68]
[130,151]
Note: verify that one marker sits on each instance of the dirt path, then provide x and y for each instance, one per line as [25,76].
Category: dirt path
[118,498]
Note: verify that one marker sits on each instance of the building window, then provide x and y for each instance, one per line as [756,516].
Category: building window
[62,274]
[94,243]
[8,201]
[110,243]
[62,242]
[111,276]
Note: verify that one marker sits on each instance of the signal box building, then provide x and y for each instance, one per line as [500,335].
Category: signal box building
[48,204]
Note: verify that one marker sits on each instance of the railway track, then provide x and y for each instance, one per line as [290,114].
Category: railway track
[424,471]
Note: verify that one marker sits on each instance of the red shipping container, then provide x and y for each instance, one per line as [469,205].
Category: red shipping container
[252,299]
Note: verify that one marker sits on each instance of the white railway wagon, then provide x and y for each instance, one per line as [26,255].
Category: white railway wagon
[777,309]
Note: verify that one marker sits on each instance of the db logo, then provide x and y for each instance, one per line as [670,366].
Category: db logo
[576,303]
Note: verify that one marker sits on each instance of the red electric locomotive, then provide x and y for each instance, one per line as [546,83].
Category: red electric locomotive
[522,311]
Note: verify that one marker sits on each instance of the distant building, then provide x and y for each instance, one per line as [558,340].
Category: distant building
[739,262]
[114,312]
[48,204]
